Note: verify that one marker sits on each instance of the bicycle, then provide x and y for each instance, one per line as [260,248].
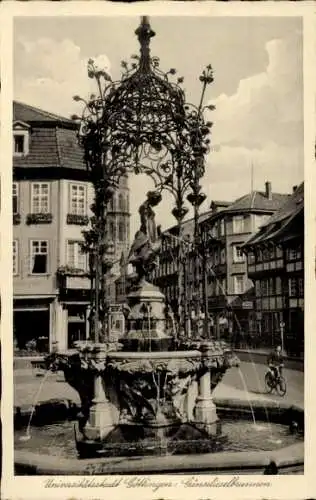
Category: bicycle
[275,382]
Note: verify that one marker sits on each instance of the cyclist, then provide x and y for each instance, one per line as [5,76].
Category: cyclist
[276,362]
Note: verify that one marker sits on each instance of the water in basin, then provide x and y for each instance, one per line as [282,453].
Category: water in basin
[242,435]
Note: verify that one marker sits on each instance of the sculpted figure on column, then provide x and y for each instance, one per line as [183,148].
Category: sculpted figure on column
[147,240]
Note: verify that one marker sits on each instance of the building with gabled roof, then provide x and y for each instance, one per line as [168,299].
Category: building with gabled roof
[275,258]
[224,287]
[44,140]
[52,196]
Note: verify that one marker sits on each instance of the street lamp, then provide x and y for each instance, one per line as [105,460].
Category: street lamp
[282,326]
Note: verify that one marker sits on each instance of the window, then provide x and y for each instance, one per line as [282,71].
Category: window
[291,254]
[20,143]
[278,286]
[15,198]
[296,287]
[15,257]
[110,230]
[266,254]
[251,258]
[265,287]
[113,231]
[223,256]
[271,286]
[272,253]
[238,224]
[222,227]
[213,231]
[237,255]
[75,256]
[258,254]
[238,285]
[40,198]
[39,256]
[300,287]
[121,202]
[111,204]
[78,199]
[293,287]
[121,231]
[294,253]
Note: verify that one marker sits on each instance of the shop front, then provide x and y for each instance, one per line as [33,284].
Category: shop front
[72,310]
[77,323]
[31,326]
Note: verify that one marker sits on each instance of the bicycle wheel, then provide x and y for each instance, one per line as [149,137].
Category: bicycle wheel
[281,386]
[268,382]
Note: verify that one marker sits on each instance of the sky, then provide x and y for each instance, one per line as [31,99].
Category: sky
[257,89]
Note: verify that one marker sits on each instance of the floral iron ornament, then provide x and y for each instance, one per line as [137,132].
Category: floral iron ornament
[143,124]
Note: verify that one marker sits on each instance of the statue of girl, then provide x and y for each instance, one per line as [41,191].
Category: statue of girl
[147,239]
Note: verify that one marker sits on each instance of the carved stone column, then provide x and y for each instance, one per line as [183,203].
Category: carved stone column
[101,417]
[205,416]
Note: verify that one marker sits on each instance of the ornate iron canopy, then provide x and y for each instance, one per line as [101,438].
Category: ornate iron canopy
[143,124]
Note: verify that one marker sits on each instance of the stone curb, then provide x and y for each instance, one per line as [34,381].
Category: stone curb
[288,460]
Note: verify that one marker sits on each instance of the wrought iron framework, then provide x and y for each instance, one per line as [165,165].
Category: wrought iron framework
[142,124]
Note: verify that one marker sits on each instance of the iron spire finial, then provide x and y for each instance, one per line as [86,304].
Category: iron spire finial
[144,34]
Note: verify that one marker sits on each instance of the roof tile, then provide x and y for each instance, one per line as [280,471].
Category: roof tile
[52,142]
[26,113]
[279,222]
[42,150]
[70,153]
[258,200]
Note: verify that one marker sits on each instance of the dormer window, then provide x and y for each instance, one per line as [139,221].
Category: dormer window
[19,144]
[20,139]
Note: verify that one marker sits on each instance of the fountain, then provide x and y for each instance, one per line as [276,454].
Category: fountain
[150,392]
[146,397]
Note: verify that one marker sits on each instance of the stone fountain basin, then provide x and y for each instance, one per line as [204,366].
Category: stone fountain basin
[166,355]
[287,459]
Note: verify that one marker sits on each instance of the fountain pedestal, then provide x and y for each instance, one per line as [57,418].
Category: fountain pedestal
[205,415]
[146,321]
[102,418]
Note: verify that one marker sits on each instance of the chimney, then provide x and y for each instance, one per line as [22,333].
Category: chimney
[269,190]
[294,189]
[213,206]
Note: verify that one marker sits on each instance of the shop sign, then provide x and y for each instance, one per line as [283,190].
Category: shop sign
[247,305]
[115,308]
[77,283]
